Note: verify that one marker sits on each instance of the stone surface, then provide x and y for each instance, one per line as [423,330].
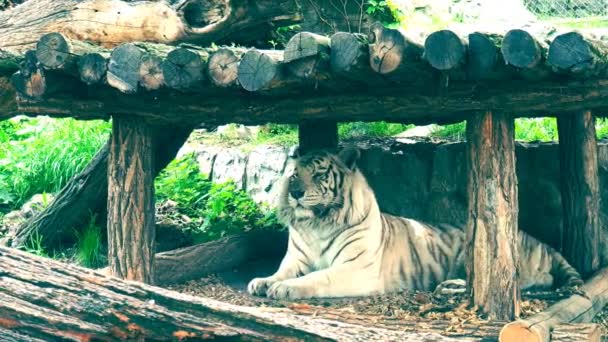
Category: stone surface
[417,178]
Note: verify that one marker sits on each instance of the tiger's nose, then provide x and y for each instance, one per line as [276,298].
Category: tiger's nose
[297,194]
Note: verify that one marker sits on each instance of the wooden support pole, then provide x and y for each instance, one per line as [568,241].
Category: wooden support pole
[315,135]
[580,191]
[492,216]
[131,200]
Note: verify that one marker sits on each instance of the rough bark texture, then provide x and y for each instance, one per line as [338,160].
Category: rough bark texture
[193,262]
[575,309]
[87,194]
[590,332]
[131,200]
[49,300]
[492,221]
[315,135]
[406,105]
[581,231]
[112,22]
[30,81]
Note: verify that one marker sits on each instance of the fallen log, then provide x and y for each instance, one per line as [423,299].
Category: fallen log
[194,262]
[223,67]
[445,50]
[350,58]
[183,68]
[45,299]
[485,62]
[114,22]
[579,308]
[307,55]
[55,51]
[87,193]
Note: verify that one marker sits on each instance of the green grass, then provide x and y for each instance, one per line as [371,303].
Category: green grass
[34,245]
[89,251]
[41,154]
[349,130]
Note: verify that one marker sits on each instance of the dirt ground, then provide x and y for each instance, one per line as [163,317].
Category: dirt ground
[405,307]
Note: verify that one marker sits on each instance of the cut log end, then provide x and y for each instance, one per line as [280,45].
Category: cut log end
[256,70]
[305,44]
[182,68]
[444,50]
[150,73]
[387,51]
[52,50]
[30,81]
[518,332]
[92,68]
[521,50]
[345,51]
[223,67]
[123,68]
[570,52]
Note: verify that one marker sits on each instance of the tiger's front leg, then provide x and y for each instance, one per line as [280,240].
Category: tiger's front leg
[289,268]
[344,280]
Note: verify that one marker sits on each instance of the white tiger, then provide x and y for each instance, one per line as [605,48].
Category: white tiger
[341,245]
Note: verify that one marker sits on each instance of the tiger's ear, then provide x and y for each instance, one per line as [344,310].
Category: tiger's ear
[349,156]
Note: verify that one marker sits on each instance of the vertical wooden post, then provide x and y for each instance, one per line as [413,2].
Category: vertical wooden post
[314,135]
[492,255]
[131,200]
[580,191]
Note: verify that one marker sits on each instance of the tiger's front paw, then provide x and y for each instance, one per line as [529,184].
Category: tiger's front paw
[289,289]
[259,286]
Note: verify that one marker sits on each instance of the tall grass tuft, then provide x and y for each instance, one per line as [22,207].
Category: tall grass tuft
[42,154]
[89,245]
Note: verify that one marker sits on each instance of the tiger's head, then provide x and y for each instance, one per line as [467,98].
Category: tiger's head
[318,182]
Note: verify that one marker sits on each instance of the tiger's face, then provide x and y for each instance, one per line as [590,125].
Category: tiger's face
[317,183]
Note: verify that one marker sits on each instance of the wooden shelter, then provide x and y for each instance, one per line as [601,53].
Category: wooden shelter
[151,90]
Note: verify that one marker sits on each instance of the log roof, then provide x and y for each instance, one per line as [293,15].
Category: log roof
[384,75]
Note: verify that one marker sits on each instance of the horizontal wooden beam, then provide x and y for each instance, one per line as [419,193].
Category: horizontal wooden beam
[397,105]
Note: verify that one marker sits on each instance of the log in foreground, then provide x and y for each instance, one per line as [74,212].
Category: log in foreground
[580,189]
[575,309]
[131,230]
[526,53]
[49,300]
[87,194]
[491,242]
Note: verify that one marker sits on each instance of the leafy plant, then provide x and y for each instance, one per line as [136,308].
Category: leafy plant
[384,11]
[89,251]
[42,154]
[34,245]
[372,129]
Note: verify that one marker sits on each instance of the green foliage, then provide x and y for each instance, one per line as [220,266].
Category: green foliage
[536,129]
[34,245]
[384,11]
[601,128]
[455,131]
[41,155]
[89,252]
[216,210]
[370,129]
[277,134]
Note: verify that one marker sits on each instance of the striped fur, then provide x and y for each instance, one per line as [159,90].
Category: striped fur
[340,244]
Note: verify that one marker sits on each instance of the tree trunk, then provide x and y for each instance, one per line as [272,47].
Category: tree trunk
[49,300]
[131,200]
[87,194]
[112,22]
[317,135]
[581,234]
[578,308]
[492,216]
